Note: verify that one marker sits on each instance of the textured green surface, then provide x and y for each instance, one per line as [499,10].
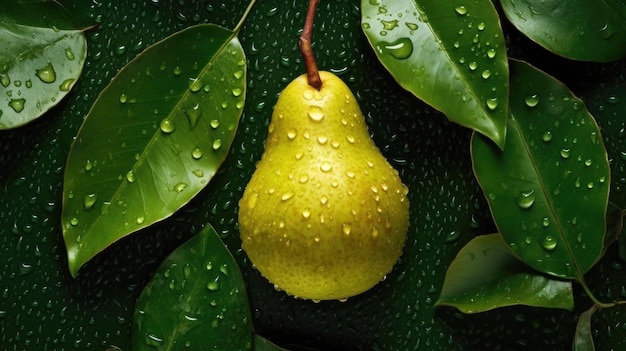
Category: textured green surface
[43,308]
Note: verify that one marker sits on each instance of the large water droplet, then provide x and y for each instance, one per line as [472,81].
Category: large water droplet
[549,243]
[316,113]
[195,85]
[461,10]
[526,199]
[492,103]
[400,49]
[326,166]
[167,126]
[69,54]
[47,74]
[89,200]
[532,100]
[17,104]
[196,153]
[67,84]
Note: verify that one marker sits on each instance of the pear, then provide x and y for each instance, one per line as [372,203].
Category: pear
[324,215]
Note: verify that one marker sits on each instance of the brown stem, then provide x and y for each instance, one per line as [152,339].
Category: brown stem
[312,73]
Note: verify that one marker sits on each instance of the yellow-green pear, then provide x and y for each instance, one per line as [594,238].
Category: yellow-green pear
[324,215]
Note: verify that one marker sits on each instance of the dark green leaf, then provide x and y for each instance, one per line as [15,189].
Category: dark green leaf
[195,301]
[153,139]
[583,339]
[451,54]
[486,275]
[548,191]
[39,62]
[578,29]
[262,344]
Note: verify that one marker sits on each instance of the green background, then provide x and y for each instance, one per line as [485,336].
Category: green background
[43,308]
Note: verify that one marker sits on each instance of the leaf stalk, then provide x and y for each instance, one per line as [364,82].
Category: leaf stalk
[244,16]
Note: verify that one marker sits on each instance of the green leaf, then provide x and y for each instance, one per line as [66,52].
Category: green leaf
[577,29]
[486,275]
[196,300]
[153,139]
[262,344]
[548,191]
[451,54]
[583,339]
[39,62]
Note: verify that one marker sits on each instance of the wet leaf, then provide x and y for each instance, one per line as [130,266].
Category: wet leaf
[548,191]
[579,29]
[153,139]
[196,300]
[262,344]
[486,275]
[42,57]
[451,54]
[583,339]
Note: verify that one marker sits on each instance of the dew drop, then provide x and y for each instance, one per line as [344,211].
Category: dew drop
[214,123]
[47,74]
[547,136]
[461,10]
[196,153]
[213,285]
[492,103]
[140,220]
[288,195]
[346,229]
[252,201]
[491,53]
[17,104]
[316,113]
[532,100]
[217,143]
[238,74]
[412,26]
[180,187]
[123,98]
[549,243]
[236,92]
[177,71]
[326,166]
[565,153]
[486,74]
[67,84]
[400,49]
[195,85]
[167,126]
[526,199]
[130,177]
[322,139]
[89,200]
[292,133]
[472,65]
[74,221]
[69,54]
[306,213]
[5,80]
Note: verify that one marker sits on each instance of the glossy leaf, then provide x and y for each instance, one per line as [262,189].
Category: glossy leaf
[486,275]
[262,344]
[577,29]
[451,54]
[41,59]
[196,300]
[153,139]
[548,191]
[583,338]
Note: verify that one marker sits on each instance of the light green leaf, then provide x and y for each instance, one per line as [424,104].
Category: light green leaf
[583,339]
[451,54]
[196,300]
[486,275]
[39,62]
[153,139]
[578,29]
[548,190]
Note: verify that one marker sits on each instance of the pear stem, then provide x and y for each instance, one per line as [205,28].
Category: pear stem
[312,73]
